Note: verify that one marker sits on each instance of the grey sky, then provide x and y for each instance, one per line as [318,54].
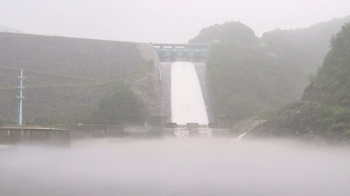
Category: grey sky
[161,20]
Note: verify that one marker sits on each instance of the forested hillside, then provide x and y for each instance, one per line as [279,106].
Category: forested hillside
[303,48]
[226,32]
[255,77]
[332,83]
[325,110]
[247,82]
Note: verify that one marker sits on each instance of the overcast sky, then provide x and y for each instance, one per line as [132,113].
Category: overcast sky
[173,21]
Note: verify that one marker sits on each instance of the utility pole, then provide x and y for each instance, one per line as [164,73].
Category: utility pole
[20,99]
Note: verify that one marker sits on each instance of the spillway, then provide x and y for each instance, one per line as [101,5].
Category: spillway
[187,103]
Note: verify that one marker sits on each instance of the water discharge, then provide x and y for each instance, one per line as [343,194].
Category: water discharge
[241,136]
[187,103]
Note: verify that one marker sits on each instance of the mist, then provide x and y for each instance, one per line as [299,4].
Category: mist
[161,21]
[239,76]
[176,167]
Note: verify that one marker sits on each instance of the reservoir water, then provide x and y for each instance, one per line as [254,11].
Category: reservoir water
[193,166]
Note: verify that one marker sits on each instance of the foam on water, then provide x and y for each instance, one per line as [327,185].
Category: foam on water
[187,103]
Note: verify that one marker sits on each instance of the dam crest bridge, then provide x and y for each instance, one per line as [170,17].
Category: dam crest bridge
[181,52]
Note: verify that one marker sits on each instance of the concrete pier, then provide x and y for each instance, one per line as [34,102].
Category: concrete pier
[34,135]
[79,132]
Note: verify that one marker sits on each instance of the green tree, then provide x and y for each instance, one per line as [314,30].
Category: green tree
[120,106]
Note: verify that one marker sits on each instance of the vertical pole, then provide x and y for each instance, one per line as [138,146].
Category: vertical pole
[50,120]
[17,110]
[20,99]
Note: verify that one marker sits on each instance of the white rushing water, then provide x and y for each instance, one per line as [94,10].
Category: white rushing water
[187,103]
[240,136]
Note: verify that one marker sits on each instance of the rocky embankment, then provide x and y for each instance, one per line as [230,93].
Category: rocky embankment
[291,121]
[309,121]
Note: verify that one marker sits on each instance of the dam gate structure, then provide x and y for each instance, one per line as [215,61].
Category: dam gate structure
[181,52]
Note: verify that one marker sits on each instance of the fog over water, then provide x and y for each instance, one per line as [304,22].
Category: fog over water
[176,167]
